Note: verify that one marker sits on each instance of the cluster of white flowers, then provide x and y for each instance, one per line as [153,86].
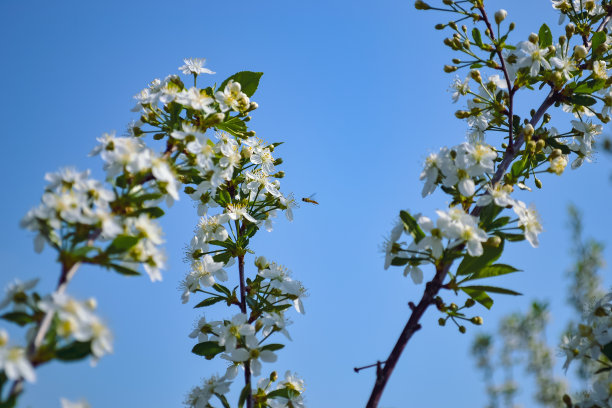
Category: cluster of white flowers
[14,361]
[77,321]
[280,279]
[200,396]
[592,336]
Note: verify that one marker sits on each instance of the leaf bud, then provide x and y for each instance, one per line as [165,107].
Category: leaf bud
[273,376]
[580,52]
[439,26]
[261,263]
[528,131]
[477,320]
[449,68]
[470,302]
[442,321]
[494,241]
[541,144]
[569,30]
[534,38]
[538,183]
[462,329]
[421,5]
[500,15]
[475,74]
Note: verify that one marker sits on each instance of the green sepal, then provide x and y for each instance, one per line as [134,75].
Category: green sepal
[249,81]
[510,237]
[208,349]
[473,265]
[74,351]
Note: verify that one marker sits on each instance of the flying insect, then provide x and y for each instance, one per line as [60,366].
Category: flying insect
[310,199]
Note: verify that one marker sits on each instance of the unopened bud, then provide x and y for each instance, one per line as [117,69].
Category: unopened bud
[250,133]
[528,131]
[453,25]
[448,2]
[580,52]
[531,146]
[546,118]
[541,144]
[470,302]
[214,119]
[439,26]
[91,303]
[273,376]
[500,16]
[279,175]
[453,307]
[556,153]
[511,26]
[442,321]
[462,329]
[461,114]
[449,68]
[258,325]
[494,241]
[136,131]
[570,29]
[475,74]
[421,5]
[589,5]
[252,106]
[538,183]
[477,320]
[261,263]
[534,38]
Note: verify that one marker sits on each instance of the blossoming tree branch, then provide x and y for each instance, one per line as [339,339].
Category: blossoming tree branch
[205,148]
[504,152]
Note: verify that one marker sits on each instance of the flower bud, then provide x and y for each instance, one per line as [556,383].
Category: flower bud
[475,75]
[531,145]
[500,15]
[91,303]
[3,338]
[477,320]
[136,131]
[439,26]
[568,400]
[569,30]
[249,133]
[470,302]
[214,119]
[421,5]
[541,144]
[494,241]
[589,5]
[245,153]
[461,114]
[449,68]
[252,106]
[448,2]
[189,190]
[279,174]
[273,376]
[528,131]
[261,263]
[534,38]
[462,329]
[562,40]
[538,183]
[442,321]
[258,325]
[580,52]
[556,153]
[511,26]
[453,307]
[546,118]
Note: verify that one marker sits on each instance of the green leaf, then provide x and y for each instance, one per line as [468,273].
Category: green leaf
[477,37]
[284,392]
[498,223]
[76,350]
[472,265]
[233,126]
[209,301]
[488,214]
[591,85]
[123,270]
[224,197]
[556,145]
[494,270]
[546,38]
[517,168]
[222,289]
[208,349]
[152,212]
[249,81]
[398,261]
[582,100]
[510,237]
[412,226]
[243,395]
[597,39]
[607,350]
[479,296]
[493,289]
[273,346]
[19,318]
[223,400]
[121,244]
[83,251]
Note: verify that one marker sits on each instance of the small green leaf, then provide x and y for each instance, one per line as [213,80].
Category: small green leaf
[498,223]
[223,400]
[222,289]
[479,296]
[546,38]
[234,126]
[208,349]
[472,265]
[494,270]
[243,395]
[477,37]
[273,346]
[224,197]
[412,226]
[493,289]
[556,145]
[152,212]
[607,350]
[510,237]
[76,350]
[209,301]
[249,81]
[121,244]
[83,251]
[19,318]
[597,39]
[582,100]
[123,270]
[591,85]
[398,261]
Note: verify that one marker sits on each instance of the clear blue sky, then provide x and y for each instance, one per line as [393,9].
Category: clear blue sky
[356,91]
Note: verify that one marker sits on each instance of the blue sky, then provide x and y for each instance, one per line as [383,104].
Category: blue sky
[356,91]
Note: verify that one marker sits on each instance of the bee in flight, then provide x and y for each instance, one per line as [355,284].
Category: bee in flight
[310,199]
